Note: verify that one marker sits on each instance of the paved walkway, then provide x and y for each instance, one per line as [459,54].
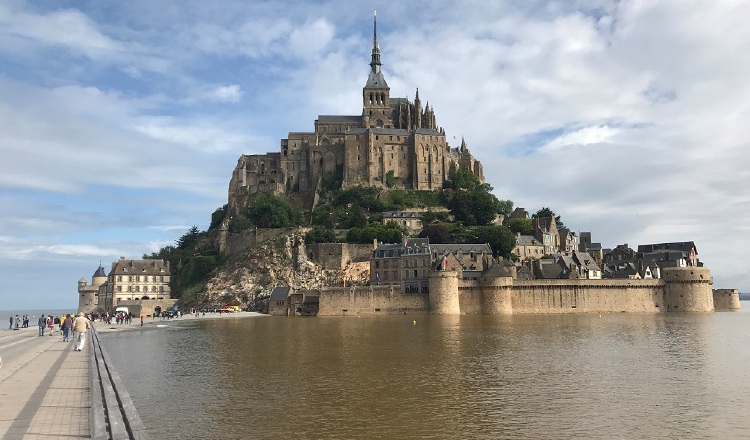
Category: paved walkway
[44,388]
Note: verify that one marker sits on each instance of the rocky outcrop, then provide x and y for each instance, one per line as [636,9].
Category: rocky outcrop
[276,260]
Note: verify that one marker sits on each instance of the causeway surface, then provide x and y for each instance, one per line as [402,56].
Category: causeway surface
[44,387]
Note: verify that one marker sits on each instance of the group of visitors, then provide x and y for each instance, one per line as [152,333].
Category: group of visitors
[21,322]
[66,324]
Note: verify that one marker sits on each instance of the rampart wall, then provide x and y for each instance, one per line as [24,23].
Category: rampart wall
[726,299]
[681,290]
[371,300]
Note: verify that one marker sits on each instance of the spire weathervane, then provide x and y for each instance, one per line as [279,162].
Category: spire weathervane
[375,63]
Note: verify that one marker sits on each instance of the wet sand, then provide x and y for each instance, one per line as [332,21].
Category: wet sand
[102,327]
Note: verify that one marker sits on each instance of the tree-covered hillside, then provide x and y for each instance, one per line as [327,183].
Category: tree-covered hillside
[464,211]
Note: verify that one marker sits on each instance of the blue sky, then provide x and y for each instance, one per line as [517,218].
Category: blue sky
[121,122]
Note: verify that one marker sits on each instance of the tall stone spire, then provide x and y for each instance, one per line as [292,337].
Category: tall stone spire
[375,82]
[375,63]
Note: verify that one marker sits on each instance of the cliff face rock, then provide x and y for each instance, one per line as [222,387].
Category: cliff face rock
[276,260]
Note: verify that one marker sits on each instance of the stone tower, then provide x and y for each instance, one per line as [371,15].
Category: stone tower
[88,295]
[376,100]
[688,289]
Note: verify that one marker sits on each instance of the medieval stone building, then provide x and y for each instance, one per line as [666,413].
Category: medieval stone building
[394,138]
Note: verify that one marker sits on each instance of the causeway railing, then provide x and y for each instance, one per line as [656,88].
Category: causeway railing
[113,416]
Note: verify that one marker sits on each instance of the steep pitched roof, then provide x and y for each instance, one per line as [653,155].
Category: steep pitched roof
[280,293]
[139,267]
[527,240]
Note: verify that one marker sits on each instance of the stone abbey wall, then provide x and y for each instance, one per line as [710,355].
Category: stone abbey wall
[681,290]
[336,256]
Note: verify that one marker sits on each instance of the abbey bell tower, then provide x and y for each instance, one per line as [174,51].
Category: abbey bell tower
[376,105]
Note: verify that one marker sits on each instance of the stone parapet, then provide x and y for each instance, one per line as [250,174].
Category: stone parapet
[726,300]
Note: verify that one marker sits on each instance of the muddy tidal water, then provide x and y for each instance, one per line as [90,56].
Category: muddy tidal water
[615,376]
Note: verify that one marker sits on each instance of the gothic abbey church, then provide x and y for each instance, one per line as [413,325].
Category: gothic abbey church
[391,135]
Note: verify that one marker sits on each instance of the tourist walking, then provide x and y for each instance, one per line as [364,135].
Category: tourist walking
[141,320]
[67,326]
[10,327]
[50,323]
[18,322]
[80,325]
[42,323]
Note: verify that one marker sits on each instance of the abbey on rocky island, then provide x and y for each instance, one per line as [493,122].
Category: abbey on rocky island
[393,138]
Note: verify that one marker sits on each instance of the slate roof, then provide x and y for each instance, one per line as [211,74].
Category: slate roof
[396,131]
[527,240]
[550,270]
[453,248]
[280,293]
[387,251]
[401,214]
[620,270]
[684,246]
[495,270]
[417,246]
[376,80]
[139,267]
[663,256]
[100,273]
[339,119]
[586,260]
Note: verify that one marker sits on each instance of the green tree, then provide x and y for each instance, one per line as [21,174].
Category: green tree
[320,234]
[323,216]
[271,211]
[389,233]
[188,239]
[522,225]
[545,213]
[474,207]
[353,217]
[436,233]
[459,178]
[390,179]
[506,207]
[500,238]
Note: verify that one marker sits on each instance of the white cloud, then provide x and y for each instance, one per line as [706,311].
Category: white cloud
[626,117]
[231,93]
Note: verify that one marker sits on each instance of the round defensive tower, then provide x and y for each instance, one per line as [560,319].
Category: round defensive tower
[99,277]
[688,289]
[88,295]
[444,292]
[496,294]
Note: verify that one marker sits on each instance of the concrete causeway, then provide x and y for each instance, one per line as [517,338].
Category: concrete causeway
[50,391]
[44,387]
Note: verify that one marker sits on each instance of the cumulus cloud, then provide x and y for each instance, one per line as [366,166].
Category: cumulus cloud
[628,118]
